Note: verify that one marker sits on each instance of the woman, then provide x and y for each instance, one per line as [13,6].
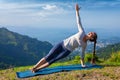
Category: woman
[65,47]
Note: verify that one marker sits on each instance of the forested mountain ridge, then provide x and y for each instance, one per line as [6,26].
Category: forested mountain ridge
[106,52]
[17,49]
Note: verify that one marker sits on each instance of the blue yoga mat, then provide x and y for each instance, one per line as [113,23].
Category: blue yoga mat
[46,71]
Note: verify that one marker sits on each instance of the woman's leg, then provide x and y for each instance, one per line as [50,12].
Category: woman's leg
[40,67]
[44,62]
[43,66]
[41,62]
[55,54]
[61,55]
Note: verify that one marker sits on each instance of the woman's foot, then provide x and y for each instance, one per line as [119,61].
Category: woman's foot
[34,70]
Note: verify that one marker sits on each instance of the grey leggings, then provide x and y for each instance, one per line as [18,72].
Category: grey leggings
[56,53]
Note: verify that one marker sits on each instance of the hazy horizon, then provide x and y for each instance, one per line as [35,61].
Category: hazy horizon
[55,35]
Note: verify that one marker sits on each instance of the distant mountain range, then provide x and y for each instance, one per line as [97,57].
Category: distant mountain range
[17,49]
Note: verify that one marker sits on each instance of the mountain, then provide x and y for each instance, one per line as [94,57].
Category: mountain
[17,49]
[105,52]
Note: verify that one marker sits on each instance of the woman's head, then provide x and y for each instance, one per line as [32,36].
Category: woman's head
[92,36]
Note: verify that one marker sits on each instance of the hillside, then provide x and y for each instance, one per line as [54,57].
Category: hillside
[106,52]
[19,50]
[108,72]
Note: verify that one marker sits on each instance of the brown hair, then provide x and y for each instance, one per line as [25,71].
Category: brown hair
[94,39]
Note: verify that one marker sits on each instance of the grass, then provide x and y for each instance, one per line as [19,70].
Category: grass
[114,60]
[106,73]
[110,71]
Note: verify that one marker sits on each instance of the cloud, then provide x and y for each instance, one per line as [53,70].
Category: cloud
[49,7]
[25,13]
[33,7]
[53,10]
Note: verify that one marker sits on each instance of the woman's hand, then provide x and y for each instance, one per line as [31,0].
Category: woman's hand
[83,66]
[77,7]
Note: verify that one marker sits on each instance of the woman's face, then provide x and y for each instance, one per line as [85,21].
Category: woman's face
[91,35]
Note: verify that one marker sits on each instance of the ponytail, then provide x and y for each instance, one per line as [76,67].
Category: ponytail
[94,51]
[94,39]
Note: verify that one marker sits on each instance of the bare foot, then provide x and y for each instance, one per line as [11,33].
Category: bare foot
[33,70]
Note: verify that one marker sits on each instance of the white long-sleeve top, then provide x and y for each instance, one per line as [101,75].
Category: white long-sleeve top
[76,40]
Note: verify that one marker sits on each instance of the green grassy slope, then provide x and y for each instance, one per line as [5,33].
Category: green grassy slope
[110,71]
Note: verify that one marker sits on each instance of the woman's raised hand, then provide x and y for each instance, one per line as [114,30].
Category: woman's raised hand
[77,7]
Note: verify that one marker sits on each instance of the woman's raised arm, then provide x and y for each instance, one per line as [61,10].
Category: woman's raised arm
[79,24]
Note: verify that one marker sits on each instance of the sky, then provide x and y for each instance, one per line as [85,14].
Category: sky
[58,14]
